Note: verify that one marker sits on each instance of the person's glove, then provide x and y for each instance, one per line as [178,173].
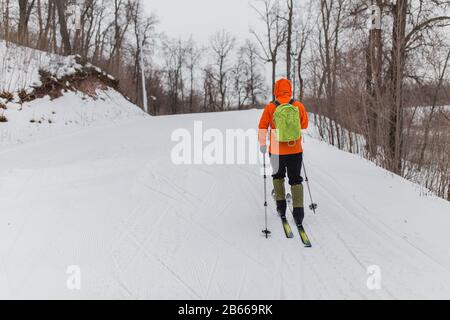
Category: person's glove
[263,149]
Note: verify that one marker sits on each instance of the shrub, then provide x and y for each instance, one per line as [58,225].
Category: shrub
[26,96]
[8,96]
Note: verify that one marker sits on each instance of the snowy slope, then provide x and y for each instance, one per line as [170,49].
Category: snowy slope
[28,120]
[73,111]
[109,200]
[19,66]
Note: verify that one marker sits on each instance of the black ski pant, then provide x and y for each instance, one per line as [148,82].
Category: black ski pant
[290,164]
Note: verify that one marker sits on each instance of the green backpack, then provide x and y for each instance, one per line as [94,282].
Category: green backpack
[287,122]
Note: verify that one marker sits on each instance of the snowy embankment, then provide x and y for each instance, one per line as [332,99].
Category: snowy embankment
[28,119]
[73,111]
[19,67]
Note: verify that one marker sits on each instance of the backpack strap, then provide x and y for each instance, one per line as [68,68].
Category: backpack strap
[278,103]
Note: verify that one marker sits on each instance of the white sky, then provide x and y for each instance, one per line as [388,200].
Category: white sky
[202,18]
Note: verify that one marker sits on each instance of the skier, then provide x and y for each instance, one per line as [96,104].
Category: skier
[286,118]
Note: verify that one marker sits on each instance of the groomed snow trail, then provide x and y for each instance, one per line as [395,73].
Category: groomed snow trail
[109,200]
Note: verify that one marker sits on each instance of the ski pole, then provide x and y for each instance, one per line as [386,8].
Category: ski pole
[313,205]
[266,232]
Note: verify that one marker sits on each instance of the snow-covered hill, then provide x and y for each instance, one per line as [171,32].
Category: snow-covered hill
[88,102]
[42,118]
[19,66]
[108,200]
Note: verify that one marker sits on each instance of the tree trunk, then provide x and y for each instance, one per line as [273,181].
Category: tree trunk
[43,42]
[289,39]
[398,63]
[40,21]
[274,74]
[301,81]
[373,84]
[60,6]
[7,22]
[24,14]
[191,94]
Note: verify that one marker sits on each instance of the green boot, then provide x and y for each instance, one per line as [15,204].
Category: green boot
[280,197]
[298,204]
[280,190]
[297,196]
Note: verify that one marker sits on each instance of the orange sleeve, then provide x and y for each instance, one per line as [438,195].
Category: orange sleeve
[304,117]
[263,127]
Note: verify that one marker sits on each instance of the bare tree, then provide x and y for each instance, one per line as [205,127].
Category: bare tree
[25,8]
[175,52]
[222,44]
[100,34]
[275,35]
[209,90]
[433,109]
[290,22]
[61,9]
[399,11]
[142,32]
[303,32]
[43,39]
[330,29]
[255,79]
[374,56]
[6,17]
[121,23]
[240,74]
[194,55]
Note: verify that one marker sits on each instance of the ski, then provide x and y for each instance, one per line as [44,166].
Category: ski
[287,228]
[301,230]
[285,223]
[304,237]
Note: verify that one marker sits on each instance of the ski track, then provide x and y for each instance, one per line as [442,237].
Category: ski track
[144,228]
[379,229]
[383,230]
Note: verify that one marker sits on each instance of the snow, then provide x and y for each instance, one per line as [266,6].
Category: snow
[19,67]
[107,198]
[74,110]
[89,185]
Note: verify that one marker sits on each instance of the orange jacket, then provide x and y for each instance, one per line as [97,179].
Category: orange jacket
[283,94]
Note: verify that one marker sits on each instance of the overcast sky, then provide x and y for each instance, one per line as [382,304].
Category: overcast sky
[202,18]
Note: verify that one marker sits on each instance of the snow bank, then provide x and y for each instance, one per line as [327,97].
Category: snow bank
[72,112]
[19,66]
[28,120]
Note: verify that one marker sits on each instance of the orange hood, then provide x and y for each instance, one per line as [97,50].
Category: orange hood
[283,90]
